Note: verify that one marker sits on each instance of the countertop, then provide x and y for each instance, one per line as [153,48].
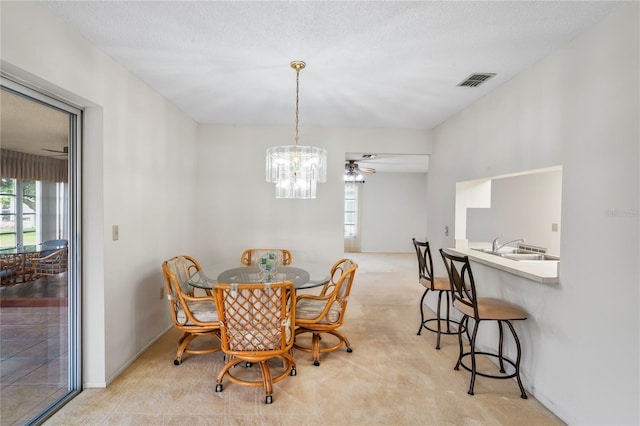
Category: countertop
[543,271]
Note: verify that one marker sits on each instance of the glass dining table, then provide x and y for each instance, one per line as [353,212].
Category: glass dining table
[303,276]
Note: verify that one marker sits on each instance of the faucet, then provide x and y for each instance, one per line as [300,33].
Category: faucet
[494,243]
[495,247]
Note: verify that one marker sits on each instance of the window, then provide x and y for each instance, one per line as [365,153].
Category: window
[350,210]
[18,218]
[8,228]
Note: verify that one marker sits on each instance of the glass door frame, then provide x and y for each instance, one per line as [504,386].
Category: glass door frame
[74,225]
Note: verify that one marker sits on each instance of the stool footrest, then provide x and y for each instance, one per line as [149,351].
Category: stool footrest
[447,328]
[492,376]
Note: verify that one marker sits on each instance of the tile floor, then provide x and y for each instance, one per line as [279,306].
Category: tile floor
[33,346]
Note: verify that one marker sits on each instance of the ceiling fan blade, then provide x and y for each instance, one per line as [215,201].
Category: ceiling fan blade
[353,167]
[64,151]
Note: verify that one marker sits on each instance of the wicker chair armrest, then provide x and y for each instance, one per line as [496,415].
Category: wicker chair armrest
[314,297]
[191,298]
[51,256]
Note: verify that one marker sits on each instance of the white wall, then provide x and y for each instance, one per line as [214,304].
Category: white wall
[237,208]
[578,108]
[139,156]
[523,206]
[394,210]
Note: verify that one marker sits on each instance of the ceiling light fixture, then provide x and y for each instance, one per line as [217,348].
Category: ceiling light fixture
[296,169]
[353,177]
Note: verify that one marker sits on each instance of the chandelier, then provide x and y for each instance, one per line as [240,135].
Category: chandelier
[296,169]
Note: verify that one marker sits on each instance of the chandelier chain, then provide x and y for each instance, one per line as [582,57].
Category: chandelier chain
[297,100]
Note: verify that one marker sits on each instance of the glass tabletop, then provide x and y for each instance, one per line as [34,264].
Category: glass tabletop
[302,277]
[21,250]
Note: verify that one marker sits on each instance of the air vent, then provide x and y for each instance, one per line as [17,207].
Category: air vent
[475,80]
[368,156]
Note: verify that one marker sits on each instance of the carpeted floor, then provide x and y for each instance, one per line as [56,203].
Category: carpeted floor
[392,377]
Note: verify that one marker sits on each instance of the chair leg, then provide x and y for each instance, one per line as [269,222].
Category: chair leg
[182,346]
[343,338]
[448,312]
[465,321]
[315,349]
[473,357]
[523,394]
[267,382]
[184,336]
[500,344]
[225,369]
[422,311]
[438,319]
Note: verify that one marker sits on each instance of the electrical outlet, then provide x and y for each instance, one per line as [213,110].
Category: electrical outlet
[161,293]
[115,232]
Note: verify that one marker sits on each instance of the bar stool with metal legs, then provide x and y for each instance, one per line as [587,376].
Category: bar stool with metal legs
[431,283]
[481,309]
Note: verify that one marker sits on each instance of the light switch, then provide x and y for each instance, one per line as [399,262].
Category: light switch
[554,227]
[115,232]
[446,231]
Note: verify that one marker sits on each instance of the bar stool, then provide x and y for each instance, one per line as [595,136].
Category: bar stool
[441,285]
[481,309]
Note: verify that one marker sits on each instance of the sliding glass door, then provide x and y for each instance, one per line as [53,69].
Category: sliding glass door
[39,253]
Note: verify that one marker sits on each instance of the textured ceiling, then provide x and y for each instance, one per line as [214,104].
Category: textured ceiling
[391,64]
[369,64]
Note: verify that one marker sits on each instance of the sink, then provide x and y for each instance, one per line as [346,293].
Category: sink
[530,256]
[520,255]
[499,253]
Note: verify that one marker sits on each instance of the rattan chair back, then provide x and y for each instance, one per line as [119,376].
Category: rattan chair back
[251,257]
[256,325]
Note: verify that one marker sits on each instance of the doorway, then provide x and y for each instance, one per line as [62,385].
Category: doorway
[385,201]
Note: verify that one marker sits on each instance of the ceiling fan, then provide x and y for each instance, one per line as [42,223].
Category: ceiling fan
[352,167]
[63,153]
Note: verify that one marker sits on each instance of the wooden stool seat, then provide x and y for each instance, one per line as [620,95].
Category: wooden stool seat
[493,309]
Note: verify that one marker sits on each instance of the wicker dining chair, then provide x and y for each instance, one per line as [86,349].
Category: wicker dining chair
[252,256]
[324,313]
[256,325]
[10,265]
[50,262]
[195,316]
